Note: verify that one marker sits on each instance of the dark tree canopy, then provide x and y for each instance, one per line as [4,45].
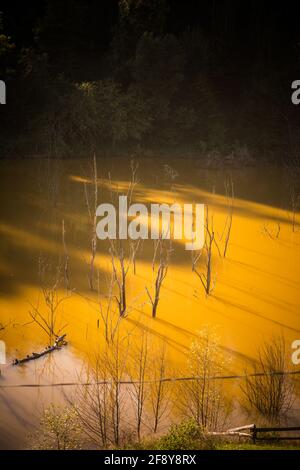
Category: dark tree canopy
[148,75]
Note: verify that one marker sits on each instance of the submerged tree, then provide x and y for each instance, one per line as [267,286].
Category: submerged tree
[109,318]
[228,224]
[162,254]
[206,277]
[66,268]
[293,182]
[92,208]
[120,267]
[123,252]
[46,314]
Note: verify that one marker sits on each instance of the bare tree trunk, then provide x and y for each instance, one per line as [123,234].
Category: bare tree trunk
[66,263]
[110,319]
[120,274]
[123,255]
[164,257]
[267,392]
[228,225]
[159,396]
[206,278]
[101,405]
[48,320]
[138,390]
[93,219]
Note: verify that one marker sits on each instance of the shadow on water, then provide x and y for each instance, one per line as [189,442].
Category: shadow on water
[33,207]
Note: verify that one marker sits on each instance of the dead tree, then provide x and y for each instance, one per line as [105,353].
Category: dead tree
[294,191]
[228,224]
[159,392]
[138,388]
[120,268]
[163,252]
[133,244]
[46,316]
[100,407]
[116,359]
[48,321]
[134,165]
[123,253]
[134,247]
[206,278]
[268,390]
[272,232]
[92,208]
[66,258]
[110,319]
[93,404]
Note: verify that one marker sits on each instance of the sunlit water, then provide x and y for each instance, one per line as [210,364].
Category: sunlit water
[256,287]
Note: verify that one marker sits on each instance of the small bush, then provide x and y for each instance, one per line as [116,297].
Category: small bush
[59,430]
[185,436]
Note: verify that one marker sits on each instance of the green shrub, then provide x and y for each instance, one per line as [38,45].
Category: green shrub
[59,430]
[185,436]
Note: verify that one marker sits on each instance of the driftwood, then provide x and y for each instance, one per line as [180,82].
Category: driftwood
[236,431]
[59,342]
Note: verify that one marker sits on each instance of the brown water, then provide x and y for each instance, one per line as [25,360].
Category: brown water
[256,294]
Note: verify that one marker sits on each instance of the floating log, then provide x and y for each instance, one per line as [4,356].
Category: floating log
[59,342]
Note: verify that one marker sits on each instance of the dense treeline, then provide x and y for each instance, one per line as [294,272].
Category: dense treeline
[205,78]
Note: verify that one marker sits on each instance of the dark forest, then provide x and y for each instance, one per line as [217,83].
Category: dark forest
[150,77]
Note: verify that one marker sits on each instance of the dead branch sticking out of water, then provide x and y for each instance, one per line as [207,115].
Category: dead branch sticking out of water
[161,273]
[66,258]
[206,277]
[230,197]
[92,208]
[58,344]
